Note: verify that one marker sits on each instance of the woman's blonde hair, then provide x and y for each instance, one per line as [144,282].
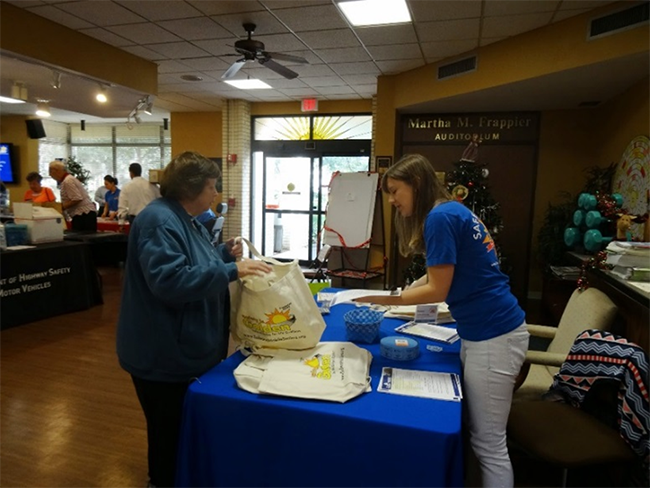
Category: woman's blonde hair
[185,176]
[416,171]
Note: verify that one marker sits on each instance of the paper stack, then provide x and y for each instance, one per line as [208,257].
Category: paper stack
[631,260]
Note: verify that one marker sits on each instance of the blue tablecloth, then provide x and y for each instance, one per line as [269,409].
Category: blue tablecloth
[234,438]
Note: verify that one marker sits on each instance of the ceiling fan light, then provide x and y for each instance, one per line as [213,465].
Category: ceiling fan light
[375,12]
[253,84]
[43,109]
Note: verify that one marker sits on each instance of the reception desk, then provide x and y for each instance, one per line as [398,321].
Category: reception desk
[234,438]
[47,280]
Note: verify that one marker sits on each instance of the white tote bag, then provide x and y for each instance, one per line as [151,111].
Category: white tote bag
[276,310]
[334,371]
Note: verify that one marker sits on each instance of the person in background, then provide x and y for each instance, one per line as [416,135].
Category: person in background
[174,316]
[36,192]
[111,197]
[463,270]
[100,197]
[136,194]
[75,202]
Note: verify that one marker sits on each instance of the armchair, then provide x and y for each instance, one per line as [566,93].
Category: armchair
[587,309]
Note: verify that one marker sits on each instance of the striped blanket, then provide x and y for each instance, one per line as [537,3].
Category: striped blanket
[597,354]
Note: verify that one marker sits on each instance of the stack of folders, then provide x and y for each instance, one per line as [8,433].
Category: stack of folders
[434,313]
[631,260]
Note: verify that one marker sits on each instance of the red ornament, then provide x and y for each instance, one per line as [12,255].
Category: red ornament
[470,184]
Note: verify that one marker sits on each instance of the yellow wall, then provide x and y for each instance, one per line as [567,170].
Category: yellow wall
[13,130]
[197,131]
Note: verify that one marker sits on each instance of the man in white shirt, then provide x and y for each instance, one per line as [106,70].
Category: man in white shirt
[75,201]
[136,195]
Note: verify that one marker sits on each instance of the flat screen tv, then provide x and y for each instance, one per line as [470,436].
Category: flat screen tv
[8,163]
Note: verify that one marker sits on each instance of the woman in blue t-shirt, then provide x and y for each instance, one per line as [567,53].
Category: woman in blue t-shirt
[463,270]
[111,197]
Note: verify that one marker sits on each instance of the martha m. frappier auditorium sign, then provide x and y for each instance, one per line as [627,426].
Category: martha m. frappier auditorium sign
[511,127]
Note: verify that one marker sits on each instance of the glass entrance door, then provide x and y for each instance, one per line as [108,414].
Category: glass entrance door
[295,191]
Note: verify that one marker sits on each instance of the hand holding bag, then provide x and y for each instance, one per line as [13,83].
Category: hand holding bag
[334,371]
[276,310]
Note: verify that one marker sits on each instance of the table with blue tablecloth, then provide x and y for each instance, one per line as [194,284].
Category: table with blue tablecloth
[234,438]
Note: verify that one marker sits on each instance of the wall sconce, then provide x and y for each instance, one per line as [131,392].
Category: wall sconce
[101,95]
[56,80]
[43,108]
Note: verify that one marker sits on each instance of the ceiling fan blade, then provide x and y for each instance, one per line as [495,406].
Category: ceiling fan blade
[287,57]
[236,66]
[278,68]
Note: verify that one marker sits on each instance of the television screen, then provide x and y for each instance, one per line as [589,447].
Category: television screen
[8,163]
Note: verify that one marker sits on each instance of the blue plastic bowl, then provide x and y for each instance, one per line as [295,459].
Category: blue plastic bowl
[362,325]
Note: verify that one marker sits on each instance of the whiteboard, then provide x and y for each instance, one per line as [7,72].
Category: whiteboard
[350,209]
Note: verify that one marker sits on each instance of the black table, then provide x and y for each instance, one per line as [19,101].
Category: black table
[47,280]
[106,247]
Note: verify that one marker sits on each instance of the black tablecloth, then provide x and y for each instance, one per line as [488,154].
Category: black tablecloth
[47,280]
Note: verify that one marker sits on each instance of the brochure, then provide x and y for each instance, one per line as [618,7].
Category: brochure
[435,332]
[425,384]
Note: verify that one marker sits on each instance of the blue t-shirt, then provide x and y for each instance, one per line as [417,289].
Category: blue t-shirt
[479,298]
[111,199]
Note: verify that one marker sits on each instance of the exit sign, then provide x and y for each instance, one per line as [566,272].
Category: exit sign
[309,105]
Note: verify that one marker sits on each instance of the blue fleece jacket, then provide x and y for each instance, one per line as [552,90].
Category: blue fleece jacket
[174,315]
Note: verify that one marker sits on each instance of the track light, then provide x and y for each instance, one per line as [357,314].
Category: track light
[56,80]
[43,108]
[137,118]
[101,95]
[148,109]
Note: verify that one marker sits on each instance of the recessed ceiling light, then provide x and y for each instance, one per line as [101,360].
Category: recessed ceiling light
[191,78]
[248,84]
[375,12]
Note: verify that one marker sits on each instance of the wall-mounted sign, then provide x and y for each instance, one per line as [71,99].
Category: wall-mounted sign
[458,129]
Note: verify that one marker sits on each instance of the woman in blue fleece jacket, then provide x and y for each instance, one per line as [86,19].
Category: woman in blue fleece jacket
[173,324]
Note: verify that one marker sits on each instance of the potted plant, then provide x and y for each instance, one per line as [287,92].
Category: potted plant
[76,169]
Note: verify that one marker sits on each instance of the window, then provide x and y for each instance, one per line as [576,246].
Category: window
[105,150]
[329,127]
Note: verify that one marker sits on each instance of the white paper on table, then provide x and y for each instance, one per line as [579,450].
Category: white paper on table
[348,296]
[448,335]
[425,384]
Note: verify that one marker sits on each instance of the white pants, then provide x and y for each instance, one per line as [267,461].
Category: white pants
[489,371]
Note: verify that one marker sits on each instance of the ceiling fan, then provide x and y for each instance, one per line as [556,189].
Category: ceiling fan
[253,50]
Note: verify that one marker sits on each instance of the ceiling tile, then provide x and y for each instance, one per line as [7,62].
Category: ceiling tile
[144,33]
[312,18]
[343,96]
[194,29]
[330,38]
[60,17]
[217,7]
[282,83]
[299,92]
[155,10]
[171,66]
[335,90]
[386,34]
[514,24]
[360,79]
[25,3]
[426,10]
[178,50]
[399,66]
[485,41]
[583,4]
[448,30]
[322,81]
[101,13]
[108,37]
[565,14]
[509,7]
[207,63]
[273,4]
[264,22]
[437,50]
[355,68]
[400,51]
[314,70]
[342,55]
[143,52]
[217,47]
[280,42]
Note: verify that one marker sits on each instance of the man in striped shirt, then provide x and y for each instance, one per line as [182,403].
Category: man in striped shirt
[77,205]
